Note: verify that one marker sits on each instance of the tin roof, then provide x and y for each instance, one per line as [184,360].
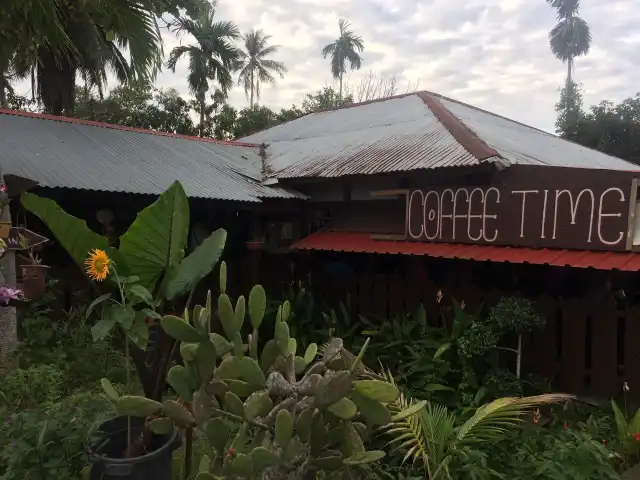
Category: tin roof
[415,131]
[64,152]
[363,243]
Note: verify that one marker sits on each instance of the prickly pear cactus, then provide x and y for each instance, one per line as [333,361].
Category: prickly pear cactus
[272,414]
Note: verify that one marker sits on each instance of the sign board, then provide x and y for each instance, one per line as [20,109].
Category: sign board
[21,238]
[532,206]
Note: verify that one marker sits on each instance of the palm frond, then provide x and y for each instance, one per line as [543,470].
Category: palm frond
[176,54]
[494,419]
[570,38]
[329,49]
[355,60]
[274,66]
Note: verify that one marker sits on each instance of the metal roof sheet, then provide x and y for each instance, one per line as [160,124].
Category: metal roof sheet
[400,134]
[69,153]
[523,144]
[363,243]
[403,134]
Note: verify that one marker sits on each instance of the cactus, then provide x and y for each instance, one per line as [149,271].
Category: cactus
[268,415]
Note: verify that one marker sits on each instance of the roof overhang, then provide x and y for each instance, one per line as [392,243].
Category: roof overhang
[364,243]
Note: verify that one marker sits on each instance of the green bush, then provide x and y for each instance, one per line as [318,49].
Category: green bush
[25,389]
[49,442]
[547,454]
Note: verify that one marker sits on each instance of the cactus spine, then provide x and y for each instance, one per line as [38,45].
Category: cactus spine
[269,415]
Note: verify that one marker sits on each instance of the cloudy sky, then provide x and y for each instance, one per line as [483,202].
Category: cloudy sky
[491,53]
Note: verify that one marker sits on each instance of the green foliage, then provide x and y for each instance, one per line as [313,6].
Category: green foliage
[72,233]
[515,315]
[49,442]
[610,128]
[442,443]
[284,417]
[24,389]
[137,105]
[550,454]
[155,241]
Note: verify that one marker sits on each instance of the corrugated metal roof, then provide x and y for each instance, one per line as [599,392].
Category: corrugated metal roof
[363,243]
[403,134]
[85,155]
[520,143]
[395,135]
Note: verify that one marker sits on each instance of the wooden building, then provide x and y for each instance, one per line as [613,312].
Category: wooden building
[407,195]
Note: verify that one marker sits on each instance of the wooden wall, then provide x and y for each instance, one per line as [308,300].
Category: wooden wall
[591,342]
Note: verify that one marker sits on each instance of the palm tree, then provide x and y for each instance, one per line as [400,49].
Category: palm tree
[571,37]
[213,57]
[347,46]
[82,37]
[254,66]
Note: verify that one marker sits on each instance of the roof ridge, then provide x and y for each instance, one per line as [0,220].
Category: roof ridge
[92,123]
[466,137]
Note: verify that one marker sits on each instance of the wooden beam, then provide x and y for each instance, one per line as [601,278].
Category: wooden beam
[389,193]
[388,236]
[632,213]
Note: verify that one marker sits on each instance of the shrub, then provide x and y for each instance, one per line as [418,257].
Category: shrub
[48,443]
[24,389]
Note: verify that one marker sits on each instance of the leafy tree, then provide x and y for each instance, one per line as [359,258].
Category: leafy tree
[254,65]
[324,99]
[225,122]
[612,128]
[213,57]
[347,47]
[569,110]
[571,37]
[54,40]
[140,106]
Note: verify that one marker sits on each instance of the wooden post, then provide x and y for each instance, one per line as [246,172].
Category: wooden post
[8,318]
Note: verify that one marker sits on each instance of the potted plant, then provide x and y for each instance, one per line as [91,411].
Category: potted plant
[34,273]
[124,447]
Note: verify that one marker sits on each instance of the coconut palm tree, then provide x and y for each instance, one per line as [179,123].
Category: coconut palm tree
[571,37]
[254,65]
[87,37]
[347,47]
[212,57]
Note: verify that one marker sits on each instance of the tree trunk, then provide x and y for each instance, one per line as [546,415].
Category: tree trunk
[340,94]
[252,88]
[569,70]
[202,115]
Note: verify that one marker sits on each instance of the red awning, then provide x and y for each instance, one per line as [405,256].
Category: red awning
[363,243]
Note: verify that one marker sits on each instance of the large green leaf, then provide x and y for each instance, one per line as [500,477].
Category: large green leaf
[71,232]
[197,265]
[156,239]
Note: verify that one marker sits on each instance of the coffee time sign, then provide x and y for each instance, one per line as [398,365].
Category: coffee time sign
[528,206]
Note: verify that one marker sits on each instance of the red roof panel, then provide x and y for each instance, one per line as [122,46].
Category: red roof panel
[363,243]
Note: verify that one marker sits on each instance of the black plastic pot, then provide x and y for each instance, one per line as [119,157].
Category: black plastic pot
[108,444]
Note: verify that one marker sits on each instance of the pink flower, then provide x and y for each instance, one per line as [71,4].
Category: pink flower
[3,188]
[231,452]
[9,293]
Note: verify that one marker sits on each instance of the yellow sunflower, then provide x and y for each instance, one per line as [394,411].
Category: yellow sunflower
[97,265]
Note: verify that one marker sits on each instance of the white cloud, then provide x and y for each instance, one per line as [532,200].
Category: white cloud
[490,53]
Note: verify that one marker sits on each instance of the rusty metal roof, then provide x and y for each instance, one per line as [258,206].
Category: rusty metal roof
[412,132]
[363,243]
[62,152]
